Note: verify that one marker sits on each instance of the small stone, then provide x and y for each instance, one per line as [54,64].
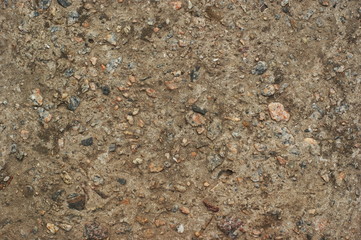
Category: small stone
[180,228]
[197,109]
[76,201]
[180,188]
[339,178]
[184,210]
[52,228]
[214,129]
[93,60]
[111,38]
[159,222]
[65,227]
[122,181]
[260,147]
[87,142]
[24,134]
[312,211]
[112,147]
[155,169]
[195,119]
[325,177]
[141,220]
[67,179]
[277,112]
[64,3]
[94,231]
[260,68]
[151,92]
[44,115]
[106,90]
[113,64]
[210,206]
[36,97]
[268,90]
[213,162]
[74,103]
[98,180]
[171,85]
[281,160]
[230,226]
[138,161]
[176,5]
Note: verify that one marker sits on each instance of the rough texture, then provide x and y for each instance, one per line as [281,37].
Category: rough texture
[150,119]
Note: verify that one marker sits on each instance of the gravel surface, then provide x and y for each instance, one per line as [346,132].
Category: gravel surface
[192,119]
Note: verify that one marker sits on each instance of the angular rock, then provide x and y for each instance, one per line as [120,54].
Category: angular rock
[213,161]
[260,68]
[76,201]
[230,226]
[74,103]
[94,231]
[65,3]
[87,142]
[277,112]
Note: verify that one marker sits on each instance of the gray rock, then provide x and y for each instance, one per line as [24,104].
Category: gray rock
[213,161]
[73,103]
[260,68]
[65,3]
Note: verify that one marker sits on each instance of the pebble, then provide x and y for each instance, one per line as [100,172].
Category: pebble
[94,231]
[213,161]
[138,161]
[65,3]
[278,112]
[65,227]
[180,228]
[210,206]
[230,226]
[113,64]
[87,141]
[268,90]
[112,147]
[76,201]
[111,38]
[195,119]
[67,179]
[36,97]
[44,115]
[154,168]
[197,109]
[184,210]
[74,103]
[106,90]
[176,5]
[214,129]
[194,73]
[122,181]
[44,4]
[260,68]
[52,228]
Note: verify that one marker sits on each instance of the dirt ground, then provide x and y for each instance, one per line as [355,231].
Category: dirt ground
[192,119]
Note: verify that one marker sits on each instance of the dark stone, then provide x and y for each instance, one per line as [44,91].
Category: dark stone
[194,74]
[44,4]
[106,90]
[197,109]
[64,3]
[69,72]
[73,103]
[112,147]
[94,231]
[55,196]
[87,142]
[122,181]
[28,191]
[76,201]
